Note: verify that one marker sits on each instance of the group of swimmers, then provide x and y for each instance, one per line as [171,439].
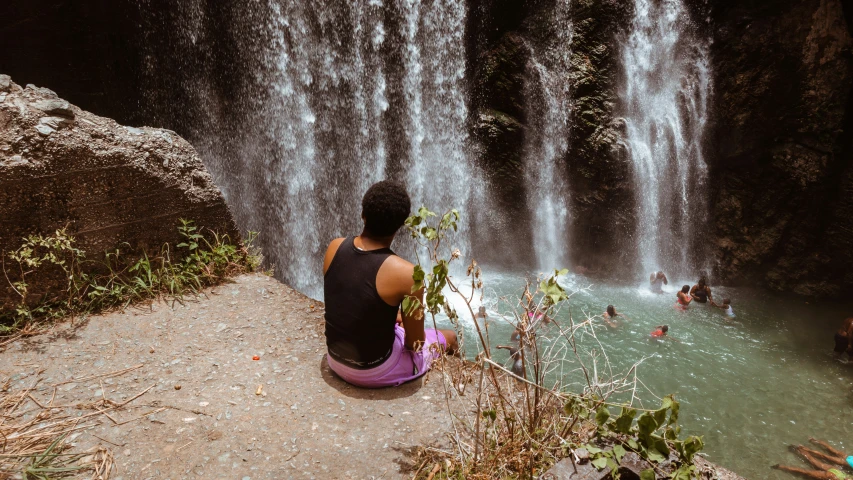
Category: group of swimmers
[700,292]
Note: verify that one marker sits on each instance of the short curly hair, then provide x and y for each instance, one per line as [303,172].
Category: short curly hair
[385,207]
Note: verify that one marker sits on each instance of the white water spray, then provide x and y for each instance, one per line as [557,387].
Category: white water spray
[548,109]
[665,97]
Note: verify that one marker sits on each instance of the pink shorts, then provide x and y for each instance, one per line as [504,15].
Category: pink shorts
[402,366]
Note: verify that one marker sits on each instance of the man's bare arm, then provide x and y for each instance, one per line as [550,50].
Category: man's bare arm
[413,323]
[330,253]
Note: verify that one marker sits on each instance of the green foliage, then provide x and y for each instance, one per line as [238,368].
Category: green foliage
[89,286]
[653,436]
[432,283]
[552,290]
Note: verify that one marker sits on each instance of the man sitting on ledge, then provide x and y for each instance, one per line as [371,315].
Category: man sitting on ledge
[364,284]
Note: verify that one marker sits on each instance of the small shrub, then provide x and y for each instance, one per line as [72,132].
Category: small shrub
[80,286]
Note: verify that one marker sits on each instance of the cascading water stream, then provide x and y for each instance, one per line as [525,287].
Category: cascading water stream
[439,173]
[332,97]
[665,101]
[547,104]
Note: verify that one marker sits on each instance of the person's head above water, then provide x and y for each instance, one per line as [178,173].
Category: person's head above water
[685,289]
[663,328]
[611,310]
[660,274]
[384,208]
[726,301]
[703,281]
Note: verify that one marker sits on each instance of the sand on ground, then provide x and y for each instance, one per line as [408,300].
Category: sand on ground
[209,421]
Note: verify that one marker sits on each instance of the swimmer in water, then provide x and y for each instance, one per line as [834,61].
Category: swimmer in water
[818,459]
[701,292]
[726,306]
[660,333]
[515,355]
[844,338]
[656,282]
[682,299]
[481,312]
[610,314]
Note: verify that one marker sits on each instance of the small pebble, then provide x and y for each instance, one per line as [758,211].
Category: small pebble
[177,387]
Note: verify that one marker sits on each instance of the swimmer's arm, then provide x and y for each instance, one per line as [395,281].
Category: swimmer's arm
[624,316]
[665,281]
[606,320]
[710,297]
[693,291]
[652,278]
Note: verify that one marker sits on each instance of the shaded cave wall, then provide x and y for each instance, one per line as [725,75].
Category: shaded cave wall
[781,145]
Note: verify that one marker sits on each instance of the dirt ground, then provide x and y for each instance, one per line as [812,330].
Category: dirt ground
[217,413]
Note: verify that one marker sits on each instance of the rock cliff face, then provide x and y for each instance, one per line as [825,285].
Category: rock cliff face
[780,152]
[600,171]
[781,169]
[595,161]
[112,186]
[779,147]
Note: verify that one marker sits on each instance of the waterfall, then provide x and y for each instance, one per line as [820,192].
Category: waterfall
[439,173]
[665,101]
[547,108]
[324,99]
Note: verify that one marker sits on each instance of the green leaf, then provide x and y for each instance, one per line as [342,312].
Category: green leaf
[418,277]
[633,444]
[661,446]
[646,425]
[685,472]
[410,305]
[660,416]
[673,416]
[600,463]
[654,456]
[647,474]
[601,415]
[569,406]
[618,452]
[625,420]
[592,450]
[690,447]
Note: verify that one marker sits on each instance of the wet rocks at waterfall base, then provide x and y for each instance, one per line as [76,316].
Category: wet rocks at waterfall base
[111,186]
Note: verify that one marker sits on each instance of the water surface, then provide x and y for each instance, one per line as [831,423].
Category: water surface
[751,386]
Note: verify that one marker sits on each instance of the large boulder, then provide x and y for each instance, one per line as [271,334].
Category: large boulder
[112,186]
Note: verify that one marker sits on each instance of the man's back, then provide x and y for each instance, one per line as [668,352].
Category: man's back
[359,322]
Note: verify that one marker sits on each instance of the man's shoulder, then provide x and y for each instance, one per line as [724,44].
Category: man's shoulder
[399,264]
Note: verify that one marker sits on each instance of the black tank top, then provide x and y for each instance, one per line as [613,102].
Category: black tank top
[359,324]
